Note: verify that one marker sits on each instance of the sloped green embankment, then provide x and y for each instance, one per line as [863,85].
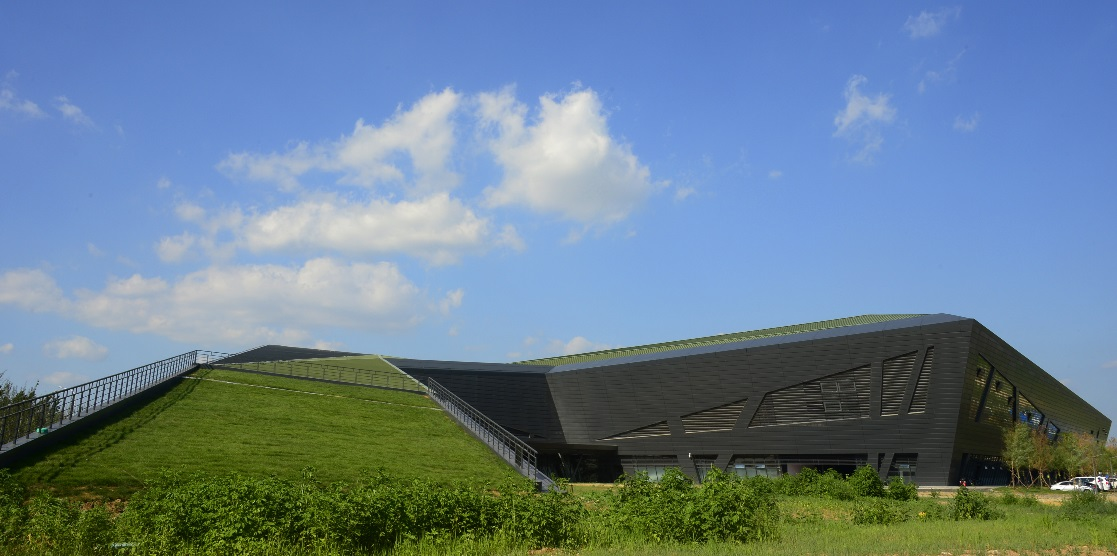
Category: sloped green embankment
[220,421]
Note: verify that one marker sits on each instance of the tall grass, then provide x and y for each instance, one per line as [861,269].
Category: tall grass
[199,513]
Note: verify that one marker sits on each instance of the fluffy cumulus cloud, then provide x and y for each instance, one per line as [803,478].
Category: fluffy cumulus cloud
[929,24]
[239,305]
[75,347]
[863,118]
[437,228]
[370,155]
[6,348]
[564,162]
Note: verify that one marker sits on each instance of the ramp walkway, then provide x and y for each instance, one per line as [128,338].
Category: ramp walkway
[26,421]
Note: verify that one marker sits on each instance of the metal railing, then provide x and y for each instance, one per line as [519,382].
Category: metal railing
[513,450]
[29,419]
[392,378]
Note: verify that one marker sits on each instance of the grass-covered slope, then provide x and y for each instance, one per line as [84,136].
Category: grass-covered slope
[219,421]
[371,370]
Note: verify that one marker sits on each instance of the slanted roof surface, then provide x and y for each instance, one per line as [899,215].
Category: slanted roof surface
[716,340]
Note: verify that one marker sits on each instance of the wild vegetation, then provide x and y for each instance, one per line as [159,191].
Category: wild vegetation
[812,513]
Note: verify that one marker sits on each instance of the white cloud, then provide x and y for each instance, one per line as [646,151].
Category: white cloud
[237,304]
[1109,365]
[163,183]
[928,24]
[94,250]
[863,117]
[64,379]
[576,345]
[7,348]
[75,347]
[775,174]
[331,346]
[11,102]
[452,301]
[966,125]
[32,290]
[438,228]
[72,112]
[369,156]
[565,162]
[682,193]
[174,249]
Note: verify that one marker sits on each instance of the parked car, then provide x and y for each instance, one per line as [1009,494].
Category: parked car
[1088,482]
[1070,485]
[1100,481]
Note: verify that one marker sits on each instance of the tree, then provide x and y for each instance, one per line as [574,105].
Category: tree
[1110,455]
[1018,450]
[1092,453]
[1043,455]
[12,394]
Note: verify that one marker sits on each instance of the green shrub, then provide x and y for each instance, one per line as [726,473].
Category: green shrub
[930,509]
[866,482]
[724,508]
[1010,498]
[1087,506]
[235,513]
[899,490]
[879,511]
[969,504]
[59,526]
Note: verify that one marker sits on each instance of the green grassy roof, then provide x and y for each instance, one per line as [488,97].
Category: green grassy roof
[714,340]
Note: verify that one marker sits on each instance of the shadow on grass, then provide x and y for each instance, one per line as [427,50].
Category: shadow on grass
[99,437]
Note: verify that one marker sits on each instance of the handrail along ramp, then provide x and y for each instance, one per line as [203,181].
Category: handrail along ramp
[513,450]
[25,421]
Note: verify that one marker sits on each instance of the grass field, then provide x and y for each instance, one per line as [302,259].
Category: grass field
[818,526]
[363,369]
[219,421]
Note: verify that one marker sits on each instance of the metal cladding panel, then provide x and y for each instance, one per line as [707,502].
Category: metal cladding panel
[980,433]
[520,402]
[694,383]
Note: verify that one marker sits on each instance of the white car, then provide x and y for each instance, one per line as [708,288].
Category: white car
[1071,485]
[1100,482]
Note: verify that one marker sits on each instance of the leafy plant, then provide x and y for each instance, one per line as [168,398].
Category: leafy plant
[879,511]
[899,490]
[969,504]
[866,482]
[1087,506]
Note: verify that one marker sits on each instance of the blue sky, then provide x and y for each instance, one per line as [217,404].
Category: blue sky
[502,181]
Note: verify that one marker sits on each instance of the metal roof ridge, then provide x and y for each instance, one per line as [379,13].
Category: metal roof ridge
[738,340]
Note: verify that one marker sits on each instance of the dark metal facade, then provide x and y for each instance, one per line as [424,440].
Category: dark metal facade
[905,397]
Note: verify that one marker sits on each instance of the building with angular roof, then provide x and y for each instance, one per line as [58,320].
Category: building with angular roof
[925,397]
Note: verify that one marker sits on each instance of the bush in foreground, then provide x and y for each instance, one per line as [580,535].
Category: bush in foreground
[723,508]
[969,504]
